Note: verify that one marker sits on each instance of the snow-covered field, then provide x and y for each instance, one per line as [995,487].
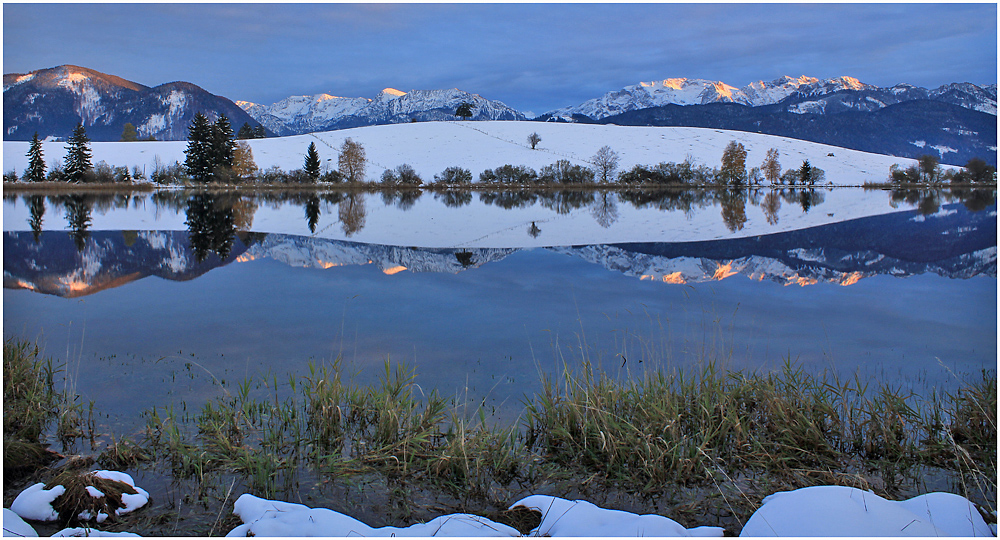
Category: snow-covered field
[431,147]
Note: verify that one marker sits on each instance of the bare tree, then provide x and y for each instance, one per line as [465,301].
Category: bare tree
[605,163]
[534,139]
[771,167]
[352,161]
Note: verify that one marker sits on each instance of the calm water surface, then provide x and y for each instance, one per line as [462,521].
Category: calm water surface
[149,298]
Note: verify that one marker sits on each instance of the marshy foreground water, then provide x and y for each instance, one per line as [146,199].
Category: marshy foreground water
[398,356]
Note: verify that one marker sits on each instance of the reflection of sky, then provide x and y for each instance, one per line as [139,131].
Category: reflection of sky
[496,325]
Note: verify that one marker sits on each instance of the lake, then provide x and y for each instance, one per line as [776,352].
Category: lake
[150,297]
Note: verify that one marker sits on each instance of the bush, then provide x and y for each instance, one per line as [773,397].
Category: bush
[272,175]
[454,175]
[103,173]
[56,174]
[904,176]
[509,174]
[668,174]
[403,175]
[332,177]
[10,176]
[564,172]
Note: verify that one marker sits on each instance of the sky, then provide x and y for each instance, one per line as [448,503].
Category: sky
[533,57]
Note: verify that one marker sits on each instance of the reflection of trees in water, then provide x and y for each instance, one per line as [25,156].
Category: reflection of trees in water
[534,231]
[684,200]
[211,225]
[509,199]
[351,212]
[565,201]
[454,199]
[312,213]
[404,199]
[928,201]
[734,208]
[771,205]
[36,209]
[605,209]
[78,208]
[806,198]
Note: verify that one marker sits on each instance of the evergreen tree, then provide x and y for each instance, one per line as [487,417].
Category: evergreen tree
[129,134]
[259,132]
[199,152]
[36,207]
[36,162]
[311,166]
[78,155]
[464,110]
[245,132]
[805,174]
[222,143]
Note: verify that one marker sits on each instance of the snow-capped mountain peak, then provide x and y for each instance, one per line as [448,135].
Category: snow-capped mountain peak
[801,94]
[304,114]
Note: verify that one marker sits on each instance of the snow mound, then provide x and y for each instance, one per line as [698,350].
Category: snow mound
[846,511]
[13,525]
[262,517]
[561,517]
[35,503]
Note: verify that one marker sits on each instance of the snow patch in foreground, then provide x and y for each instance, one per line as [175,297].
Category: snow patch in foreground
[561,517]
[845,511]
[262,517]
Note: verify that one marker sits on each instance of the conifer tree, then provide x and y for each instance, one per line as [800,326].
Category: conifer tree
[36,162]
[222,143]
[245,132]
[78,155]
[805,174]
[199,152]
[311,166]
[259,132]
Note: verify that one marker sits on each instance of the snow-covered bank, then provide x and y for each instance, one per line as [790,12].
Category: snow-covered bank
[431,147]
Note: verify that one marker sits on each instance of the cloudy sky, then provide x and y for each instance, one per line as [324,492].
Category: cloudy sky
[532,57]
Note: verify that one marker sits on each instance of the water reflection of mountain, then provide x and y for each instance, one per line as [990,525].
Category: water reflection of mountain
[953,242]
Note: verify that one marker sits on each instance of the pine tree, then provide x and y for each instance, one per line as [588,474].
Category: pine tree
[36,162]
[311,166]
[245,132]
[78,155]
[259,132]
[464,110]
[222,143]
[805,174]
[199,161]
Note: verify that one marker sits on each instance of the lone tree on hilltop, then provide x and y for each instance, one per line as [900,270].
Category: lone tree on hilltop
[129,134]
[36,162]
[311,166]
[734,164]
[464,110]
[351,161]
[534,139]
[78,156]
[771,167]
[605,163]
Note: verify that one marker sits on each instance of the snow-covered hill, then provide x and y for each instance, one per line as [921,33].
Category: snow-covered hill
[431,147]
[799,95]
[303,114]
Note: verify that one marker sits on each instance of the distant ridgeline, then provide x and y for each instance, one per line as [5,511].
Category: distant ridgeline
[909,129]
[78,263]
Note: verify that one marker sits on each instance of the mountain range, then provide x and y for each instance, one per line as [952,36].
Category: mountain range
[957,121]
[322,112]
[53,101]
[898,244]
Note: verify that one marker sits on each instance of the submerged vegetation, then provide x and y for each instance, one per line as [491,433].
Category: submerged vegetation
[708,433]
